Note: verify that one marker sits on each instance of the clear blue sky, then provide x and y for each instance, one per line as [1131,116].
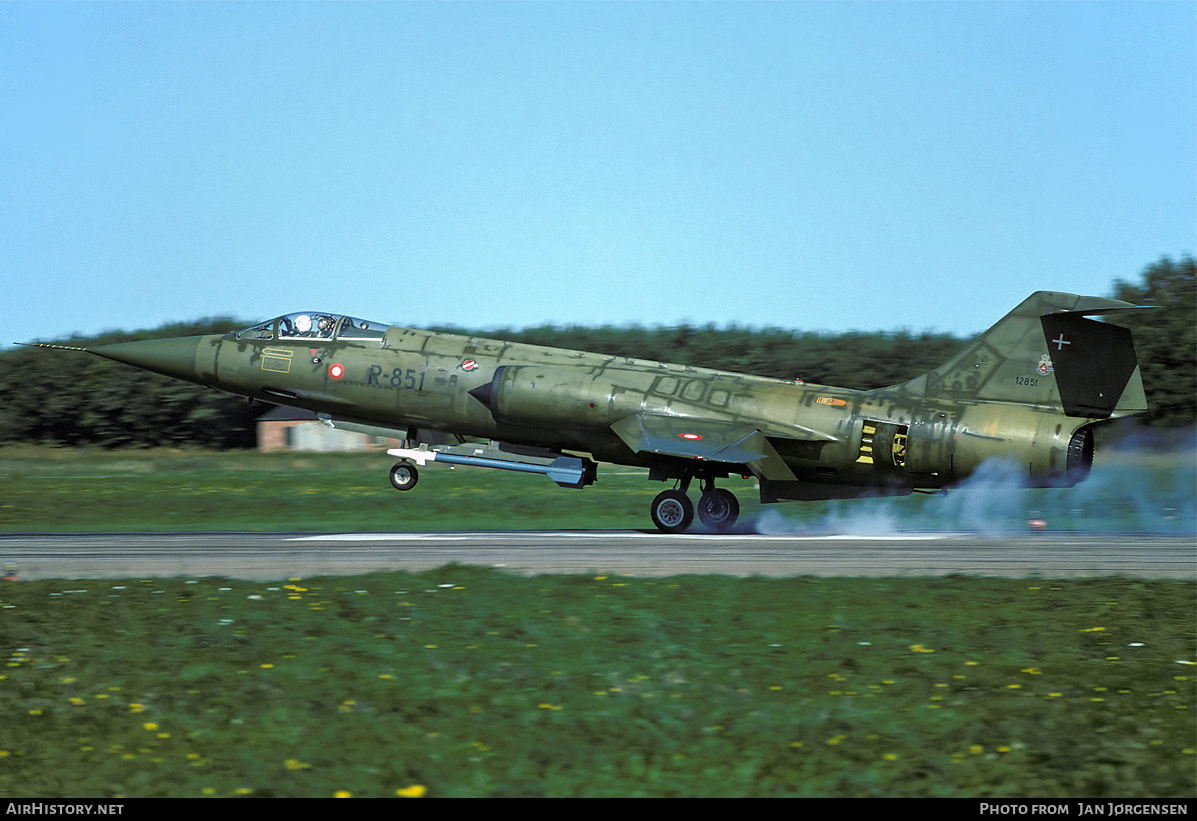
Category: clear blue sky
[821,166]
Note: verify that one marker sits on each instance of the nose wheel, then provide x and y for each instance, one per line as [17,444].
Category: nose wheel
[404,476]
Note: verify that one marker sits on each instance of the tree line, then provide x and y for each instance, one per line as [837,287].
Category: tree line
[54,397]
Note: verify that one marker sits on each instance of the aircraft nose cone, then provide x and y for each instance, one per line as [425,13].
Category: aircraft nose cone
[170,357]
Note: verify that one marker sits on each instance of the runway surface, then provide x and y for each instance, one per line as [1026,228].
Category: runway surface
[268,556]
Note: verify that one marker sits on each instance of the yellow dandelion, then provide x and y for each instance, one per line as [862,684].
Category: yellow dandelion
[414,791]
[150,725]
[976,749]
[342,794]
[296,764]
[918,648]
[890,757]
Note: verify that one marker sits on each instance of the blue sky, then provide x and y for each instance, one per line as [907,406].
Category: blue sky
[817,166]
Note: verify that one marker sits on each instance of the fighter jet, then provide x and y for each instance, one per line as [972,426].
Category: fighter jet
[1030,390]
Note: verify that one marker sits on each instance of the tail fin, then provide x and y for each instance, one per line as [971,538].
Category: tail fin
[1046,353]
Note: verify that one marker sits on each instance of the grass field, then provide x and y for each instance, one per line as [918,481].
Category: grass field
[466,682]
[52,490]
[469,682]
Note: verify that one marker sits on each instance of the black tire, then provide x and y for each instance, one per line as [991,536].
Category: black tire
[404,476]
[672,511]
[718,509]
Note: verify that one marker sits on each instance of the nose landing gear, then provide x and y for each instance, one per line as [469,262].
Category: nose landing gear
[404,476]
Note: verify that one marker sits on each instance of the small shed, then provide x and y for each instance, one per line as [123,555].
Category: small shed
[284,429]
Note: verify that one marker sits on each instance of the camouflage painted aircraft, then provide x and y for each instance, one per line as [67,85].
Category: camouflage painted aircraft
[1030,390]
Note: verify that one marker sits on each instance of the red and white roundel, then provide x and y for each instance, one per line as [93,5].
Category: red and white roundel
[336,370]
[469,365]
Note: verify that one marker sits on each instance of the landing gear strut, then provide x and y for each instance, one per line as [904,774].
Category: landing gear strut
[672,511]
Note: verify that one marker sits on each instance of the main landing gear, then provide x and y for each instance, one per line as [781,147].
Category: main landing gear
[672,511]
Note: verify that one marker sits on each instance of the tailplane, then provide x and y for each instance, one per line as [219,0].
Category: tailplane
[1046,352]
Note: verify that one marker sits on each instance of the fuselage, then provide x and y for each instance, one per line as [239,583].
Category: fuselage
[1029,391]
[833,441]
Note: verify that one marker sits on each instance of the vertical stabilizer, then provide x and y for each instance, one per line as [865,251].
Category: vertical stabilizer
[1047,353]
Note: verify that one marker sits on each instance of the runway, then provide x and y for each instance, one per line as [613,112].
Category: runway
[269,556]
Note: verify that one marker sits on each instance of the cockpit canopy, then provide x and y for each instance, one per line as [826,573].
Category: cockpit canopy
[314,326]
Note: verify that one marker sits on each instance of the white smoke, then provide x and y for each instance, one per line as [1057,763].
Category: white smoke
[1128,491]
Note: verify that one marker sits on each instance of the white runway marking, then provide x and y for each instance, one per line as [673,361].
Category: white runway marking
[591,535]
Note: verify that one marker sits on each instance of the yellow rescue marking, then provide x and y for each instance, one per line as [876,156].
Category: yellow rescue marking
[277,360]
[868,431]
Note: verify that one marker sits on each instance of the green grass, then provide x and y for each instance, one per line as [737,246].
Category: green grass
[75,491]
[468,682]
[50,490]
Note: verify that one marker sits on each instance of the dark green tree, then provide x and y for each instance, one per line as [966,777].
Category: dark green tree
[1166,340]
[61,398]
[56,397]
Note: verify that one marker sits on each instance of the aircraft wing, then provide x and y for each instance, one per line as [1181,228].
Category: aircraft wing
[711,440]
